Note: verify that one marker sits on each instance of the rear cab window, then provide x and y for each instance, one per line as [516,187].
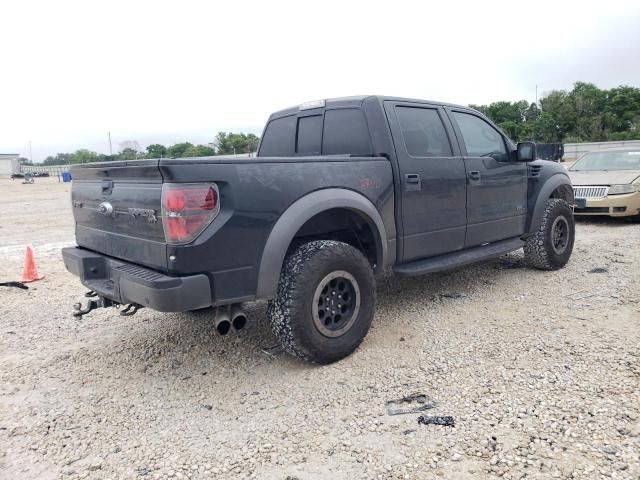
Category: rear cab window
[309,139]
[279,138]
[345,132]
[339,131]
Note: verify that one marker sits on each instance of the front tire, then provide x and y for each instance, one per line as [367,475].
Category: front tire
[551,246]
[325,301]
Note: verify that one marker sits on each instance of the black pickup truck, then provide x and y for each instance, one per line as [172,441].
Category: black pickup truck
[340,191]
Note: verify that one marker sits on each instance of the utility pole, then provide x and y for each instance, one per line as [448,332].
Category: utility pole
[110,148]
[533,130]
[30,153]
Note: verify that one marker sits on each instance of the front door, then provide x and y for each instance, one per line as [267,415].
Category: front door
[432,180]
[497,185]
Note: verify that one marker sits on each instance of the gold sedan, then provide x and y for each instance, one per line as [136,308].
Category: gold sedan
[607,182]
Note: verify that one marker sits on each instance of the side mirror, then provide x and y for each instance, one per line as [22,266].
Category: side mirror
[526,152]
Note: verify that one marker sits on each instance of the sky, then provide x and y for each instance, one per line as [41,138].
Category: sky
[167,72]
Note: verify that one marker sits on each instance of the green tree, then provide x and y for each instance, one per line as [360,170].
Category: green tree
[127,153]
[199,151]
[84,156]
[586,113]
[234,143]
[58,159]
[177,150]
[156,150]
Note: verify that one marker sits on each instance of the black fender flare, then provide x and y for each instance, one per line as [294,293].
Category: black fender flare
[295,217]
[543,195]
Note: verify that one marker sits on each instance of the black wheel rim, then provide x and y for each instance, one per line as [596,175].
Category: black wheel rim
[336,303]
[560,235]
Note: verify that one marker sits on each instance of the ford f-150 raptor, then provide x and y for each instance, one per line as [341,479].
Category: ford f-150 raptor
[339,191]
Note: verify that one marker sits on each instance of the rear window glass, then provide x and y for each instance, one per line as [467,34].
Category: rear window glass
[345,132]
[279,138]
[309,134]
[423,132]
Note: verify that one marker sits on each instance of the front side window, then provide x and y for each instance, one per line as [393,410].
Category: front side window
[423,132]
[480,138]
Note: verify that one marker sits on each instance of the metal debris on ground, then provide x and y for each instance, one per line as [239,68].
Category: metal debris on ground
[14,284]
[273,350]
[599,270]
[452,295]
[445,421]
[399,406]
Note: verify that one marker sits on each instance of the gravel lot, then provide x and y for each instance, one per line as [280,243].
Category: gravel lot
[540,371]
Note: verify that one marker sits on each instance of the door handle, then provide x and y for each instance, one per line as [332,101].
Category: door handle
[412,181]
[412,178]
[474,175]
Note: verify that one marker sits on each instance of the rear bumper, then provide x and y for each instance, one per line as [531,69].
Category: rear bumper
[612,205]
[129,283]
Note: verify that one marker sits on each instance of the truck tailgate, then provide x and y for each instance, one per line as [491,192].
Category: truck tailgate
[117,207]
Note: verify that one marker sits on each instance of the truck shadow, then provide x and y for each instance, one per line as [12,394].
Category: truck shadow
[187,345]
[170,347]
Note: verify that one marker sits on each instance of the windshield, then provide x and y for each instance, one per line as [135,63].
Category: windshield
[608,161]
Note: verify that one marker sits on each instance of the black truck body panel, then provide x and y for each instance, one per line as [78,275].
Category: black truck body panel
[364,166]
[126,185]
[128,283]
[254,195]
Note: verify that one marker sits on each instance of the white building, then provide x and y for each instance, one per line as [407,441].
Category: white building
[9,164]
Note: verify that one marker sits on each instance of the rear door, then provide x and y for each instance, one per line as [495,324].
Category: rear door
[432,180]
[117,210]
[497,185]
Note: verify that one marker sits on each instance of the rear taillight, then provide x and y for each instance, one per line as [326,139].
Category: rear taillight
[187,209]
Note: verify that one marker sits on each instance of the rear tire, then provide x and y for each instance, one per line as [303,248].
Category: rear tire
[325,301]
[551,246]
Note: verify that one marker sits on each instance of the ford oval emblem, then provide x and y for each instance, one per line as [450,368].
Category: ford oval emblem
[105,208]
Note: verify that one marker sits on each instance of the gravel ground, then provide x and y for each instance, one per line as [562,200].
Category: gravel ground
[540,371]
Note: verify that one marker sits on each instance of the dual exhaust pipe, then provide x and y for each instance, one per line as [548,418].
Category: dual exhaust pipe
[228,318]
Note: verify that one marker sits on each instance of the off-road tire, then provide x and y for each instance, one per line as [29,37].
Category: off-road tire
[539,249]
[292,314]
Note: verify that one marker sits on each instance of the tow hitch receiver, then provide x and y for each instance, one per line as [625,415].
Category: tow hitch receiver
[102,302]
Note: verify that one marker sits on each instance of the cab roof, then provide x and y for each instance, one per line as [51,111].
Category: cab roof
[357,101]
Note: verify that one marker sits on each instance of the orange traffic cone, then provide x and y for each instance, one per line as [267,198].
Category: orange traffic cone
[30,272]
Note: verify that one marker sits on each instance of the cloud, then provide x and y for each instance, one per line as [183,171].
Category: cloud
[165,71]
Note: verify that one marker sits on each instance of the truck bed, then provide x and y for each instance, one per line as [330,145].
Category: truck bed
[254,192]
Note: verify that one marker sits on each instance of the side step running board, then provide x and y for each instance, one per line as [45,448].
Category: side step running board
[459,258]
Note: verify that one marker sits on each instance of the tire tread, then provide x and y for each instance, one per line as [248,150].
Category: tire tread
[537,250]
[285,308]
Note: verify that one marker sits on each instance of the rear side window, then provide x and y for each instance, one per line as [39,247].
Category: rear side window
[423,132]
[279,138]
[309,135]
[342,131]
[345,132]
[480,138]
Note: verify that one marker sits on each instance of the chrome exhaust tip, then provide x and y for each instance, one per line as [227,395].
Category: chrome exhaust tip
[238,318]
[222,321]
